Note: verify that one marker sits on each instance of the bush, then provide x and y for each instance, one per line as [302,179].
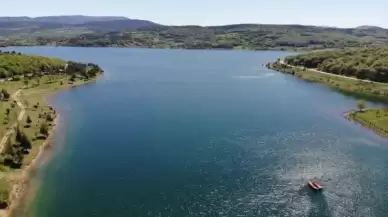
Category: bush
[4,195]
[49,118]
[5,94]
[44,129]
[28,121]
[361,105]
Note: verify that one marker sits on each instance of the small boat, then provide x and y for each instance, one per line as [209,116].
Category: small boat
[315,186]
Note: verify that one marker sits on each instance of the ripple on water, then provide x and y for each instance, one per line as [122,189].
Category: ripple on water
[276,184]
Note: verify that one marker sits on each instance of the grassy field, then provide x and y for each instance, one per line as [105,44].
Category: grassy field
[33,97]
[375,119]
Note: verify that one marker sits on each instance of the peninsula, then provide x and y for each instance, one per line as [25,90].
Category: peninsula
[26,119]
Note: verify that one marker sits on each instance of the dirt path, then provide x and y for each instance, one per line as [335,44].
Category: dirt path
[20,117]
[326,73]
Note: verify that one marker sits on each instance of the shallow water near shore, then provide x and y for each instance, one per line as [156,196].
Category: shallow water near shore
[205,133]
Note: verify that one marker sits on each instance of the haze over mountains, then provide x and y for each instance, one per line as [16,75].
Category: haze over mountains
[83,24]
[120,31]
[75,19]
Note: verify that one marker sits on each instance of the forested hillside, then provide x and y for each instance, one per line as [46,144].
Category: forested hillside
[16,65]
[13,64]
[371,64]
[125,32]
[245,36]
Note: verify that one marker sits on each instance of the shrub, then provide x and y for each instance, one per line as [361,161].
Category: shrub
[44,129]
[5,94]
[49,118]
[29,121]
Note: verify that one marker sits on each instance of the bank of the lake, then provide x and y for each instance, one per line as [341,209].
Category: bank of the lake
[28,120]
[360,88]
[374,119]
[356,87]
[21,177]
[229,138]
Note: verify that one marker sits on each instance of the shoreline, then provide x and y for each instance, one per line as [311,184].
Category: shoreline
[20,186]
[347,86]
[361,89]
[19,189]
[281,49]
[367,124]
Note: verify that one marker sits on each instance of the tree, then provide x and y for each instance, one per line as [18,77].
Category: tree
[3,74]
[36,106]
[5,94]
[19,134]
[94,71]
[49,118]
[72,78]
[361,105]
[44,129]
[29,121]
[22,140]
[25,142]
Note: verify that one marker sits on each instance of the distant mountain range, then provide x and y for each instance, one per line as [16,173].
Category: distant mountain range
[73,25]
[124,32]
[75,19]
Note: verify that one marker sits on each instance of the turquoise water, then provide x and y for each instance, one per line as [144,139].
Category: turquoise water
[205,133]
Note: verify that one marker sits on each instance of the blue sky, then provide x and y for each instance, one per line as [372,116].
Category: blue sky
[340,13]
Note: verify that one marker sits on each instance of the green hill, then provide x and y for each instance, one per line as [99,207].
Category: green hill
[371,64]
[124,32]
[22,27]
[71,19]
[16,65]
[244,36]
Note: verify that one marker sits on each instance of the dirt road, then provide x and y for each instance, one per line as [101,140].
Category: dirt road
[20,117]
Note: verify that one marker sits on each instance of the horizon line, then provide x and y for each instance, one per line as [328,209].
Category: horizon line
[229,24]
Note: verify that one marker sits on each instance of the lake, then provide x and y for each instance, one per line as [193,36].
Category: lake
[205,133]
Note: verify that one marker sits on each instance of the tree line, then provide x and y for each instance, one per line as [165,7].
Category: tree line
[242,36]
[15,149]
[365,63]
